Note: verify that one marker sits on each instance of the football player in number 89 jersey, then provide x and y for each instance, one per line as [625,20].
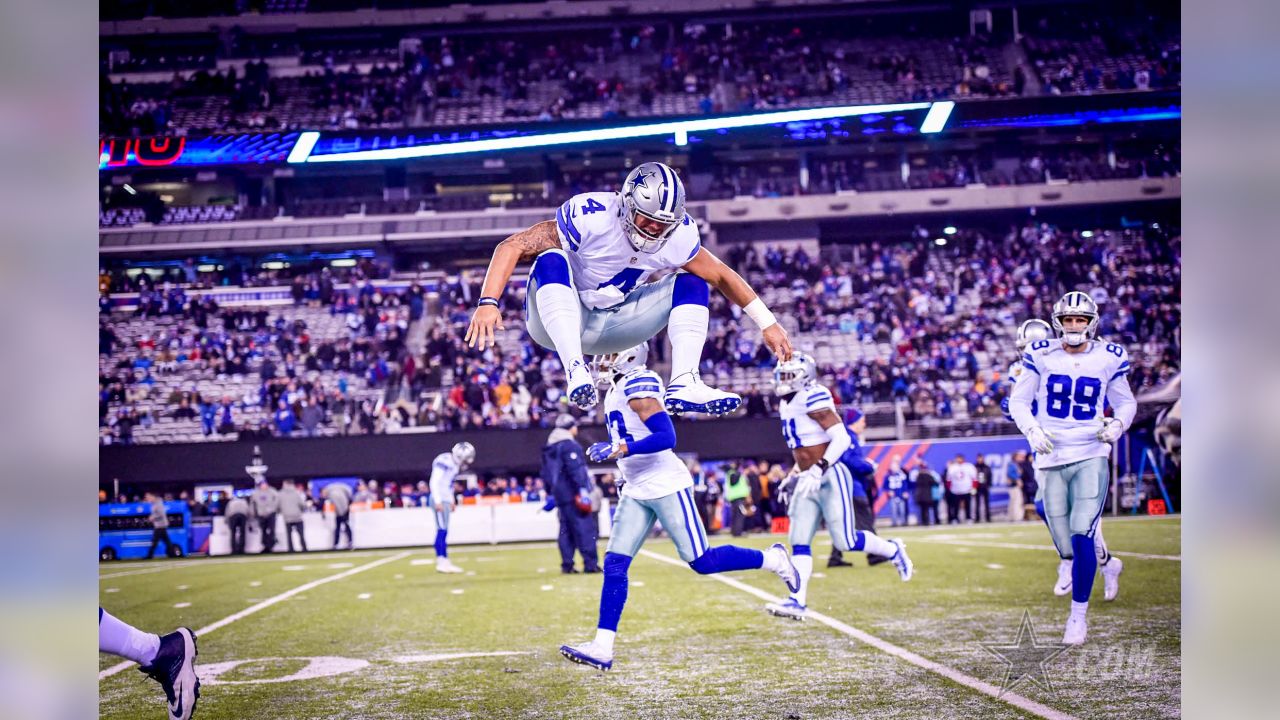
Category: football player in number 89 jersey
[659,487]
[821,485]
[1029,332]
[588,289]
[1069,379]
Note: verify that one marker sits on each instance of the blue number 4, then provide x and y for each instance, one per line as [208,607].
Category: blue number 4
[591,207]
[625,280]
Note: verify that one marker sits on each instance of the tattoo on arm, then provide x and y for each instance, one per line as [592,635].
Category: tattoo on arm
[535,240]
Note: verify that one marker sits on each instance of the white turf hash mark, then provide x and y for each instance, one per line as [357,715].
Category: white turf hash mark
[548,587]
[955,676]
[118,667]
[363,596]
[182,605]
[458,591]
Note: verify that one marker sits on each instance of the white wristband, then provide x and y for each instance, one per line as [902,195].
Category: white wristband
[760,314]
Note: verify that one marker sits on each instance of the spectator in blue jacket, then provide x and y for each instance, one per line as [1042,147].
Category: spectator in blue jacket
[898,484]
[564,470]
[285,419]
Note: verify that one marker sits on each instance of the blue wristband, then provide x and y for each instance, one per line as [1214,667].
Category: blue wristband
[487,301]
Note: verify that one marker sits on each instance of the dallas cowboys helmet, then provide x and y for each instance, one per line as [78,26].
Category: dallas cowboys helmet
[652,191]
[463,453]
[789,376]
[1075,304]
[619,364]
[1031,331]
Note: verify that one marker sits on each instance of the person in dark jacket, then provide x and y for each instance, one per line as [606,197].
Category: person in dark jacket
[926,492]
[865,489]
[564,471]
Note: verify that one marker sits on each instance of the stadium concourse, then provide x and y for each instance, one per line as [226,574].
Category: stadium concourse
[312,212]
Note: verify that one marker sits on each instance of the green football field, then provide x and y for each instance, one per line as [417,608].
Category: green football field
[382,635]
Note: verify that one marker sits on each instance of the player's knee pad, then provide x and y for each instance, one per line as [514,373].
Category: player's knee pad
[551,268]
[615,565]
[690,290]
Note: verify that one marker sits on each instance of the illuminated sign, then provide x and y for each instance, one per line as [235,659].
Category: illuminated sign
[257,148]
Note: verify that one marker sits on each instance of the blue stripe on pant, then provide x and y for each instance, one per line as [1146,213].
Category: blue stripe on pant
[634,518]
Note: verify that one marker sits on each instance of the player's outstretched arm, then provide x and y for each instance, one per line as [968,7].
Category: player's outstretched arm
[522,247]
[730,284]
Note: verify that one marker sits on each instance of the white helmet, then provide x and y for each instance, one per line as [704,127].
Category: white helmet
[791,375]
[653,191]
[1031,331]
[1075,304]
[463,453]
[618,364]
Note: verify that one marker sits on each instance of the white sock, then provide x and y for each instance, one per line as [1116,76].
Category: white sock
[875,545]
[804,565]
[120,638]
[773,561]
[561,315]
[604,638]
[687,328]
[1078,609]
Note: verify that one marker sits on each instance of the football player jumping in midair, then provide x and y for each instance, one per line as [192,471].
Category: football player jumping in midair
[588,293]
[658,487]
[1068,379]
[444,469]
[820,486]
[1031,331]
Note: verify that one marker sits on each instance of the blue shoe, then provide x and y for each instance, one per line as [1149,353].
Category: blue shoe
[696,396]
[788,573]
[588,653]
[174,668]
[789,609]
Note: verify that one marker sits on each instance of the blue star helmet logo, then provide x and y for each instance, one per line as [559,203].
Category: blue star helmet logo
[642,180]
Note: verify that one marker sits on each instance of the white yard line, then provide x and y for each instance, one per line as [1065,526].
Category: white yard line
[952,674]
[1021,546]
[272,601]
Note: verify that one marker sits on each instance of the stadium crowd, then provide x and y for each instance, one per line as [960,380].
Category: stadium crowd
[931,325]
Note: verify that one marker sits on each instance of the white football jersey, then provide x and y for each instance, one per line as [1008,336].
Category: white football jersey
[798,428]
[1069,392]
[652,475]
[443,471]
[602,262]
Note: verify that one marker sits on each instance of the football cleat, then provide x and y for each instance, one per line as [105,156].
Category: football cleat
[174,668]
[582,386]
[1111,578]
[788,571]
[902,562]
[1077,629]
[588,653]
[445,565]
[789,609]
[695,396]
[1063,586]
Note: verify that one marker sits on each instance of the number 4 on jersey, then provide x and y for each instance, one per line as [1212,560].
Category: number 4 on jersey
[591,207]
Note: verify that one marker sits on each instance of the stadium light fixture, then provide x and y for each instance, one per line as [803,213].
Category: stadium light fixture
[940,241]
[949,230]
[129,189]
[937,118]
[1086,234]
[678,129]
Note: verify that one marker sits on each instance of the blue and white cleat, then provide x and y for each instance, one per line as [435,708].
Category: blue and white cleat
[694,396]
[174,668]
[582,386]
[905,567]
[789,609]
[588,653]
[787,570]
